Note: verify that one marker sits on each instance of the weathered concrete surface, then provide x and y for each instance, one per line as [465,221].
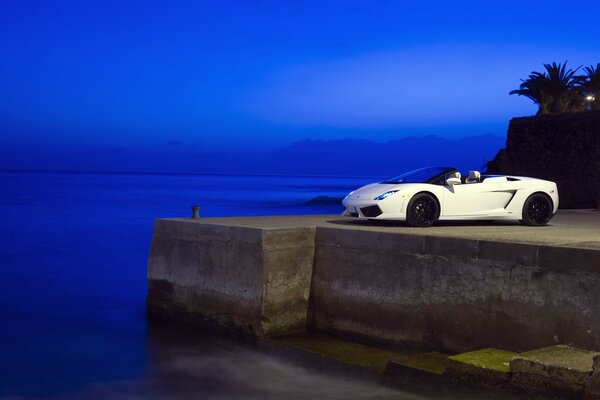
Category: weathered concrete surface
[429,365]
[346,351]
[592,388]
[375,290]
[453,287]
[464,290]
[569,228]
[486,366]
[252,280]
[553,370]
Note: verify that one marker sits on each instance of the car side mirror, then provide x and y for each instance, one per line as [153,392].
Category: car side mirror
[452,181]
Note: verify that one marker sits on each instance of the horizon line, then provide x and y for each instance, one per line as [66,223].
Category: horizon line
[137,173]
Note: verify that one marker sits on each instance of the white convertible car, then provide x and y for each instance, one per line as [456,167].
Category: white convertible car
[426,195]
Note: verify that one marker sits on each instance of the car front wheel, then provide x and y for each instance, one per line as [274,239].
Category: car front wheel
[422,210]
[537,210]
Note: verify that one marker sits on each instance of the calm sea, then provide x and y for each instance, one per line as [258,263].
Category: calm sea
[73,254]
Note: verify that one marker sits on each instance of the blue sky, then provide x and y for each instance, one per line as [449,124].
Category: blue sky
[266,73]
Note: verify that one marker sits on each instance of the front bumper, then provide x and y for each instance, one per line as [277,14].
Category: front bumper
[372,211]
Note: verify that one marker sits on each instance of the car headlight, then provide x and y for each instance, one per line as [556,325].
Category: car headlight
[385,195]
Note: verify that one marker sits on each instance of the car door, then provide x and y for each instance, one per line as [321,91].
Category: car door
[474,198]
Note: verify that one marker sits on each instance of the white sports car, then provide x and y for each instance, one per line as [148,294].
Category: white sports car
[424,196]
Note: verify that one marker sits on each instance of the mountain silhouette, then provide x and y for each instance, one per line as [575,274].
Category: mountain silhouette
[365,157]
[347,157]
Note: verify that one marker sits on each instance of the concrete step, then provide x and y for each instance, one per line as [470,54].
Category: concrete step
[345,351]
[556,369]
[422,365]
[486,366]
[369,357]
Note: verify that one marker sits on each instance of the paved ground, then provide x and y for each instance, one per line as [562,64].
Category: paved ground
[570,228]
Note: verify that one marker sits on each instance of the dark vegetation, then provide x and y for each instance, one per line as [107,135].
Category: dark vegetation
[564,148]
[561,142]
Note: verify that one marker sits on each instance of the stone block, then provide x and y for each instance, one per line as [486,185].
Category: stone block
[488,366]
[250,280]
[559,369]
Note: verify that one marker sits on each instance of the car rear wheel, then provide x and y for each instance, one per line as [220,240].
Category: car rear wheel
[537,210]
[422,210]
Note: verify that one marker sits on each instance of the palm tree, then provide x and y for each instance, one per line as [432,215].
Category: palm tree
[562,88]
[534,88]
[590,86]
[553,91]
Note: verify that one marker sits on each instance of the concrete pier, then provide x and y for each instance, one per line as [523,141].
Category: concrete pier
[451,288]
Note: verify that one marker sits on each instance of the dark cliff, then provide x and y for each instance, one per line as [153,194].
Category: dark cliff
[563,148]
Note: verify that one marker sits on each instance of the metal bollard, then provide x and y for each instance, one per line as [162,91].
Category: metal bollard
[195,212]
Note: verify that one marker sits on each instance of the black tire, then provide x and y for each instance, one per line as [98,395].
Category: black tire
[537,210]
[423,210]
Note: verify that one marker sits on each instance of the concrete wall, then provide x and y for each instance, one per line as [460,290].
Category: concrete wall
[443,293]
[232,277]
[454,294]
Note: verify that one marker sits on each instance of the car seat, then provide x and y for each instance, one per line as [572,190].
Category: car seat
[474,177]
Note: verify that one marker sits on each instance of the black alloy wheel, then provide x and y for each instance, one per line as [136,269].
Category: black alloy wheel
[422,210]
[537,210]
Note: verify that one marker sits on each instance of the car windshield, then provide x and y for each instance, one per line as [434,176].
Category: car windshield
[421,175]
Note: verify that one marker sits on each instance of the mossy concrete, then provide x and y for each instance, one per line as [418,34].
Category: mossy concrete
[423,364]
[555,370]
[488,366]
[346,351]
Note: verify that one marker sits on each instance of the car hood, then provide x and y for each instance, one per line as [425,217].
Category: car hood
[369,192]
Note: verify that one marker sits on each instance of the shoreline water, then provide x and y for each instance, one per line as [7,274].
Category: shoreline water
[73,286]
[74,253]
